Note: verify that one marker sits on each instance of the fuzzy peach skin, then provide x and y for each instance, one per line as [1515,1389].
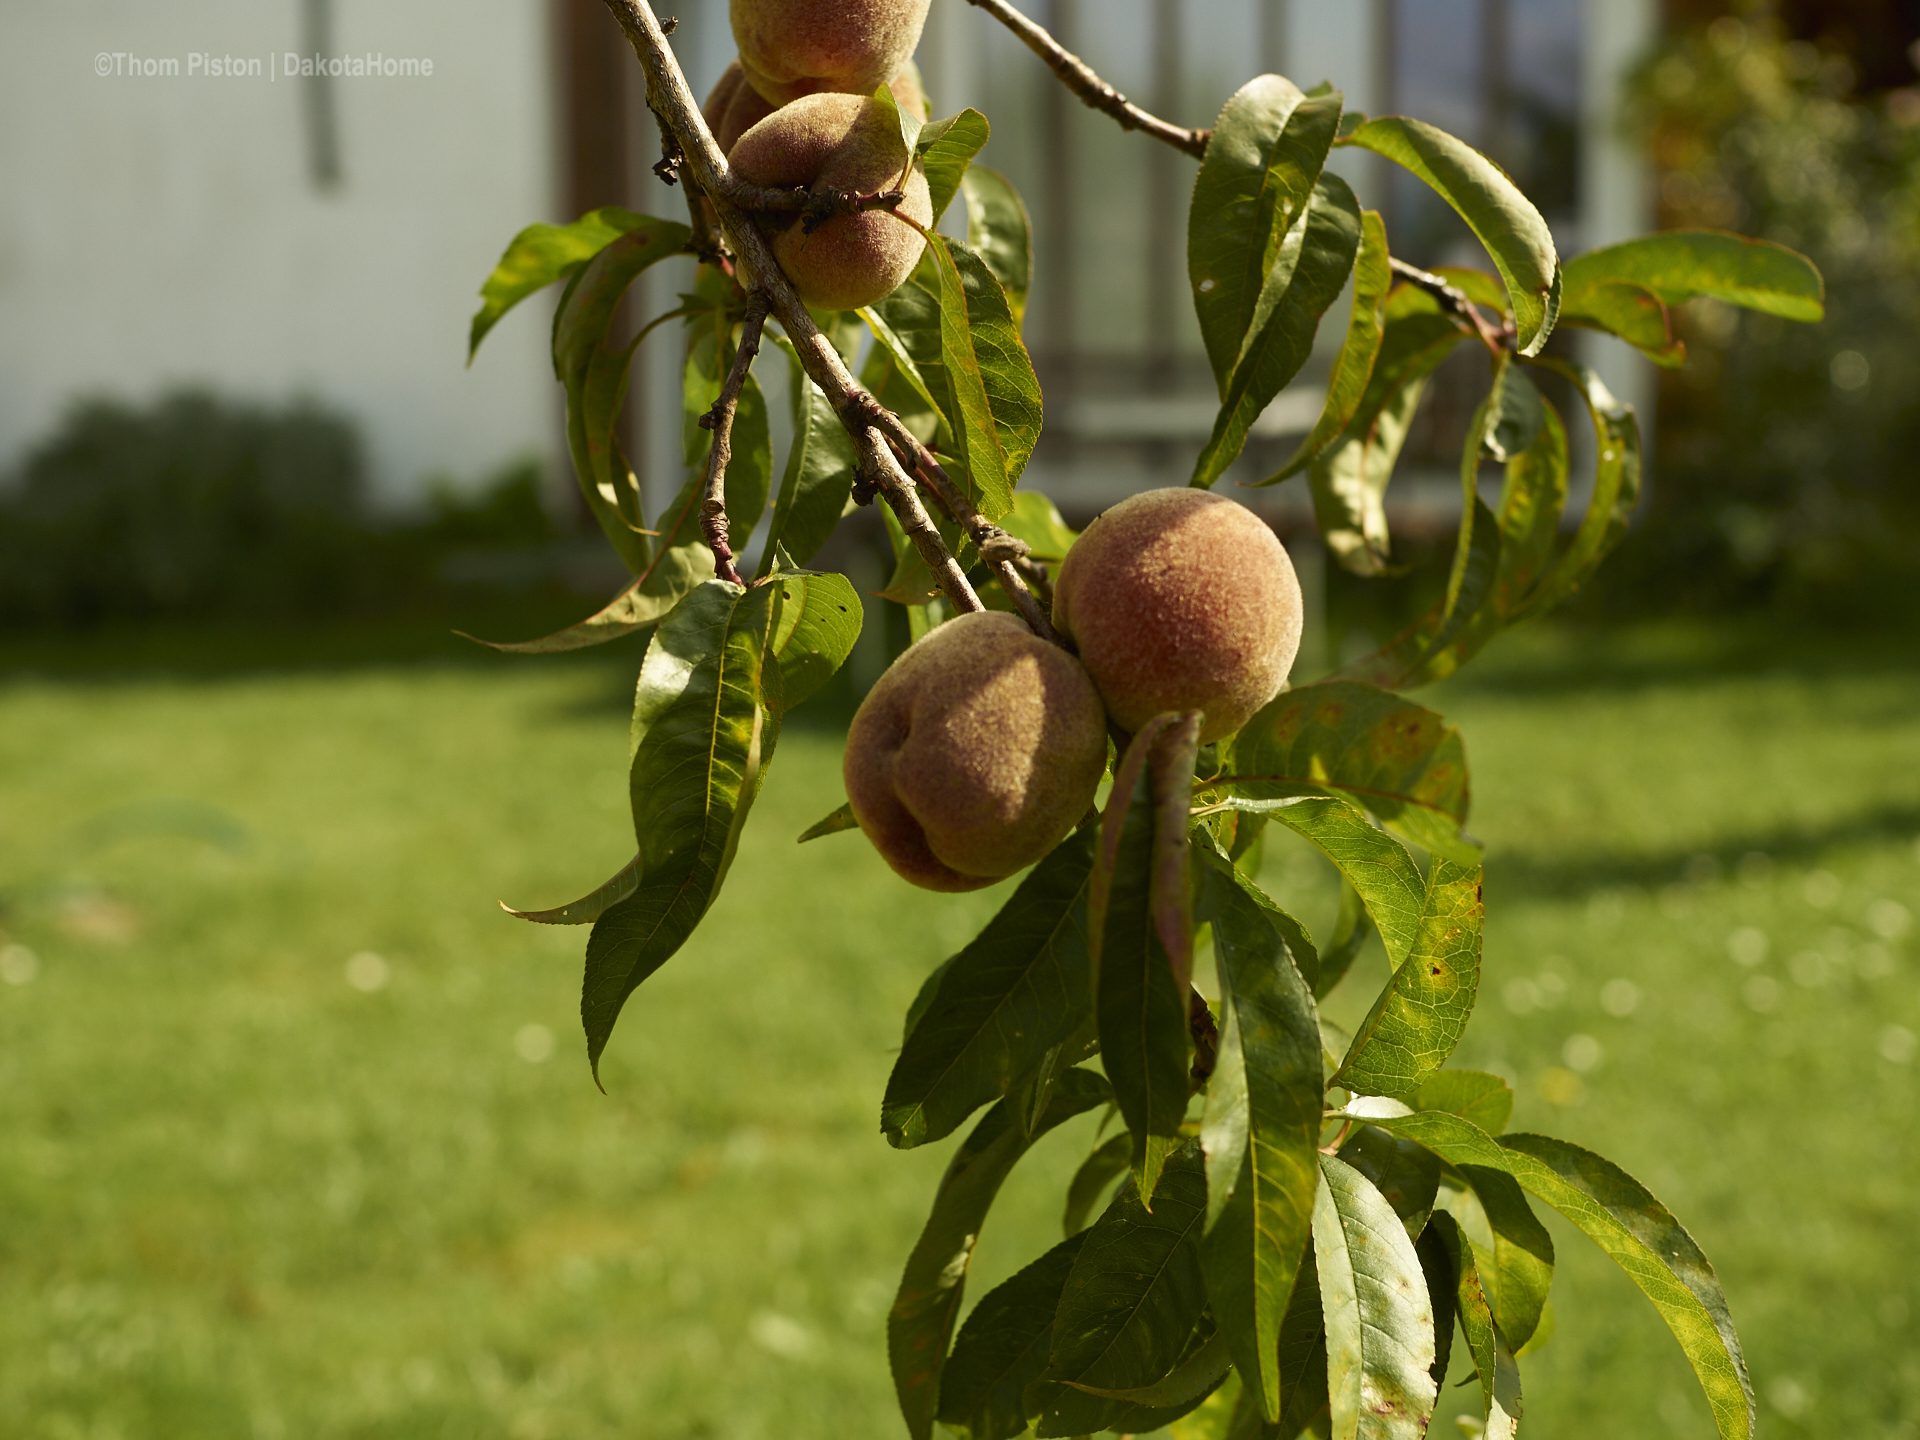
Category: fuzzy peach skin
[790,48]
[976,753]
[1181,599]
[734,107]
[839,142]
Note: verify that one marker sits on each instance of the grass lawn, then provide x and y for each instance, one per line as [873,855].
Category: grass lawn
[297,1138]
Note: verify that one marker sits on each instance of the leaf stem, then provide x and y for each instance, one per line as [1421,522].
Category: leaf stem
[719,419]
[1095,93]
[1454,301]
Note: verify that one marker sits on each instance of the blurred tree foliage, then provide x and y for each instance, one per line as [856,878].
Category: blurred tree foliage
[1786,473]
[199,506]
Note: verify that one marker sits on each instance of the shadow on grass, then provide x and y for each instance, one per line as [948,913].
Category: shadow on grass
[1571,875]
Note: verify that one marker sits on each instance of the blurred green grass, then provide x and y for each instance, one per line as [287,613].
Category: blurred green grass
[242,1196]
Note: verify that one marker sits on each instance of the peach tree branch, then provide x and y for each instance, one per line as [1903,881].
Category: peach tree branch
[719,419]
[1097,94]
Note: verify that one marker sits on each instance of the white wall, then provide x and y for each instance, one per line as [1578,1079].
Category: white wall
[160,231]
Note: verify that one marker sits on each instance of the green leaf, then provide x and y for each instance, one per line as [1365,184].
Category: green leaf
[1140,1006]
[1632,312]
[1285,319]
[1353,367]
[1498,1372]
[1379,1319]
[1504,219]
[1515,1251]
[995,411]
[1486,1100]
[1442,1286]
[710,356]
[706,715]
[1105,1165]
[1036,520]
[1531,503]
[1643,1238]
[928,1301]
[594,374]
[1419,1018]
[819,475]
[998,227]
[1261,1129]
[819,621]
[589,907]
[1677,265]
[1022,986]
[542,254]
[1349,477]
[670,573]
[906,327]
[946,148]
[1264,157]
[1375,864]
[1003,1348]
[833,824]
[1406,1174]
[1399,760]
[911,126]
[1350,931]
[1136,1290]
[1194,1378]
[1616,488]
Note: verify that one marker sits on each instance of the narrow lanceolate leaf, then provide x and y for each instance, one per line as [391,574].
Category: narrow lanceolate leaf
[1406,1174]
[1643,1238]
[1351,927]
[1531,502]
[1037,520]
[1634,313]
[706,714]
[542,254]
[1106,1164]
[1003,1348]
[928,1301]
[1375,864]
[1261,1161]
[1492,1357]
[1372,279]
[1422,1013]
[1285,320]
[818,622]
[946,148]
[1616,488]
[1399,760]
[1677,265]
[1505,220]
[750,472]
[589,907]
[1379,1319]
[1170,903]
[1140,1009]
[1021,987]
[841,819]
[995,412]
[998,228]
[818,477]
[1349,477]
[1136,1291]
[1515,1251]
[1265,156]
[593,370]
[1485,1099]
[670,572]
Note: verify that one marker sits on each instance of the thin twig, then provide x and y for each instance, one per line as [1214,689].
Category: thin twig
[719,419]
[883,473]
[672,101]
[1080,78]
[1454,301]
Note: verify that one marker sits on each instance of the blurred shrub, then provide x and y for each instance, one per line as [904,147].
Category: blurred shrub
[198,507]
[1785,472]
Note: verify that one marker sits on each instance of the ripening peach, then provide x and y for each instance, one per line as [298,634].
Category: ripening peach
[1181,599]
[840,143]
[975,754]
[790,48]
